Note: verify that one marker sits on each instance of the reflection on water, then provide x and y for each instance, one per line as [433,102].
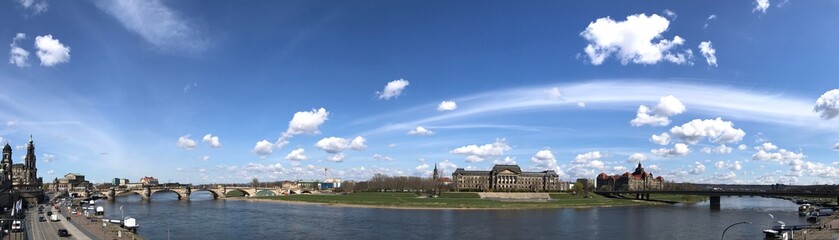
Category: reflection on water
[202,217]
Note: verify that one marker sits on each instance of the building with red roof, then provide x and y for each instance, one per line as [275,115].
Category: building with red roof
[638,180]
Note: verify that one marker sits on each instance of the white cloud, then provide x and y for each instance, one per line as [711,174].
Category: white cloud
[545,159]
[554,94]
[766,146]
[37,6]
[205,158]
[679,149]
[393,89]
[742,147]
[619,169]
[708,100]
[761,6]
[420,131]
[339,157]
[447,106]
[632,40]
[643,117]
[423,170]
[711,17]
[186,143]
[708,52]
[716,130]
[307,122]
[725,176]
[212,140]
[828,104]
[670,13]
[303,122]
[392,145]
[581,104]
[298,154]
[156,23]
[17,55]
[48,157]
[506,161]
[589,159]
[484,151]
[473,158]
[263,148]
[636,157]
[836,147]
[661,139]
[782,156]
[447,166]
[736,165]
[337,145]
[721,149]
[659,116]
[11,123]
[51,172]
[697,169]
[382,157]
[50,51]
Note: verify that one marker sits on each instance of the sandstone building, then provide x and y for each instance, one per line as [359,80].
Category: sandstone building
[505,178]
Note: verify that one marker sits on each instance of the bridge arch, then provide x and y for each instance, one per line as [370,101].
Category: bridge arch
[244,192]
[128,193]
[216,194]
[180,195]
[265,193]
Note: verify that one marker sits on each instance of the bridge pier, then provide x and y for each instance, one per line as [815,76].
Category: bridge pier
[715,202]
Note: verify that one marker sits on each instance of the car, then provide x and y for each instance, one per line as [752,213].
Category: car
[63,233]
[49,213]
[42,219]
[17,226]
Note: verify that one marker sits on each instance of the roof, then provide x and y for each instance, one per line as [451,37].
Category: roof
[7,148]
[513,168]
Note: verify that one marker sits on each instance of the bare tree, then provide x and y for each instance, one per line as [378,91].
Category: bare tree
[255,182]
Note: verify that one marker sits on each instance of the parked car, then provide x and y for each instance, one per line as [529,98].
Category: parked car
[63,233]
[42,219]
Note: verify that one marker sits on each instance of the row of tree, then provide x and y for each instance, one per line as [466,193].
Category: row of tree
[381,182]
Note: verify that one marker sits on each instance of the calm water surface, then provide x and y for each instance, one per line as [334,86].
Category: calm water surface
[164,217]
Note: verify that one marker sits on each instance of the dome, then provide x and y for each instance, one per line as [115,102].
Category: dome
[7,148]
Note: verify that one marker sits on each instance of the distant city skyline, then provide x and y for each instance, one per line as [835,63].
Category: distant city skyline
[212,91]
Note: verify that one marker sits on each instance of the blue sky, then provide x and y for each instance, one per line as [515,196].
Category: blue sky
[216,91]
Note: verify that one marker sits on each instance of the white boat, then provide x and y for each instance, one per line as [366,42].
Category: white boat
[779,232]
[130,224]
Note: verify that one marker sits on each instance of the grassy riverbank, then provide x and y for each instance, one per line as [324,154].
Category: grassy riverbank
[469,201]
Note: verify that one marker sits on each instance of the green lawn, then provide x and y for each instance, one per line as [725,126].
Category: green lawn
[456,200]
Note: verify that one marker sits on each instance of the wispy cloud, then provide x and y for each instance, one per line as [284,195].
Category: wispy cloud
[714,100]
[157,24]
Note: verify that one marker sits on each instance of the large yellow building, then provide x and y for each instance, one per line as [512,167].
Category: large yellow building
[505,178]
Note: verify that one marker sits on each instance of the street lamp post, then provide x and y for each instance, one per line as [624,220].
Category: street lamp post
[726,229]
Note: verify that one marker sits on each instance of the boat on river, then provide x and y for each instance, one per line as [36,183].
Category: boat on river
[805,209]
[781,231]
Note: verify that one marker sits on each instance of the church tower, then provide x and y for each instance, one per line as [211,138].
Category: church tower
[29,161]
[6,163]
[436,174]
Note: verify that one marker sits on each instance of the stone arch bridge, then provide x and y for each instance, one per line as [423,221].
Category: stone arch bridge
[184,191]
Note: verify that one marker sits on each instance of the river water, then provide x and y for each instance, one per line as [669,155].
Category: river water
[165,217]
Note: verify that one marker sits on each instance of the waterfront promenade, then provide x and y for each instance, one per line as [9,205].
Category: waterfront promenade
[95,229]
[829,228]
